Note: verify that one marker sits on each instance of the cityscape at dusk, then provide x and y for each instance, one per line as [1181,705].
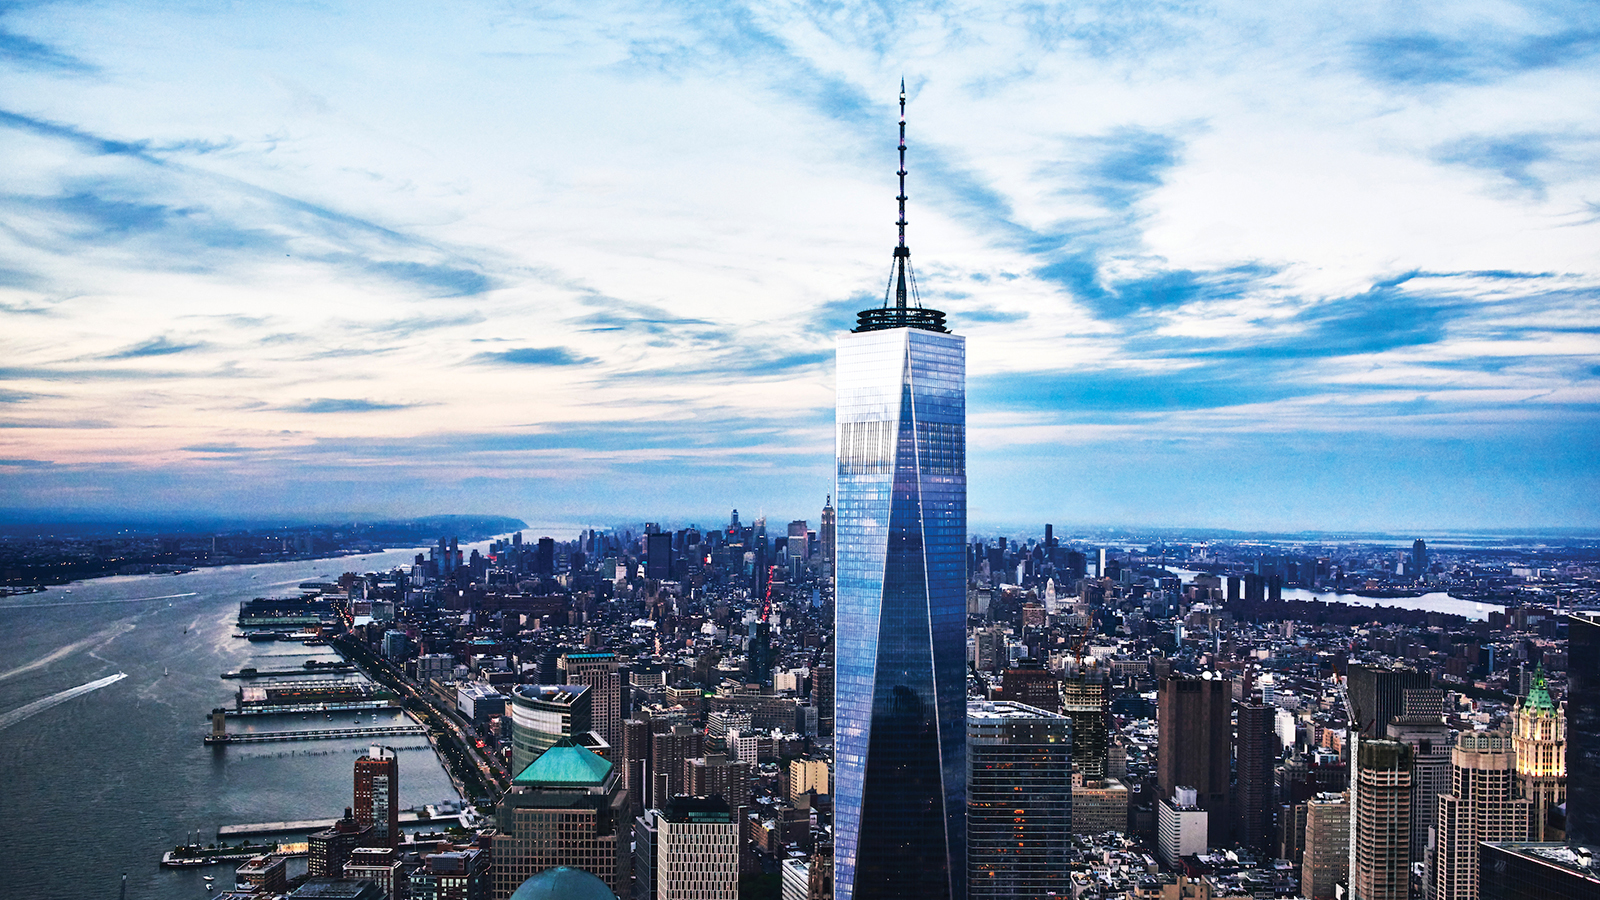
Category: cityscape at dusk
[1319,268]
[511,453]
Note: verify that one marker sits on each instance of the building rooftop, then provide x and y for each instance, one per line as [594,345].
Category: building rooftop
[565,765]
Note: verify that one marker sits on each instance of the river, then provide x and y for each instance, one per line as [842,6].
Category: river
[1433,601]
[100,774]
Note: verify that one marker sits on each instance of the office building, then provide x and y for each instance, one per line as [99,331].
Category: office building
[658,556]
[1194,723]
[1376,695]
[1083,700]
[453,875]
[1381,822]
[542,714]
[1181,826]
[1481,805]
[1099,806]
[900,736]
[608,690]
[567,808]
[1539,738]
[825,534]
[697,850]
[328,850]
[1542,871]
[1019,801]
[1325,859]
[1431,741]
[377,796]
[1583,729]
[668,752]
[1255,752]
[1030,684]
[796,880]
[381,866]
[808,775]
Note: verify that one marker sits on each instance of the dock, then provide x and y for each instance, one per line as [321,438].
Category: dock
[303,708]
[332,668]
[407,817]
[325,734]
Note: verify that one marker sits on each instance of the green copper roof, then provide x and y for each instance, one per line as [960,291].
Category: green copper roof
[565,764]
[1539,694]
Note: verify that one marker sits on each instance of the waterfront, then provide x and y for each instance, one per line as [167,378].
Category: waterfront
[104,774]
[1432,601]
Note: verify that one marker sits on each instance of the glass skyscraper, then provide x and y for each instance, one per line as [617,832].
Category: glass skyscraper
[899,732]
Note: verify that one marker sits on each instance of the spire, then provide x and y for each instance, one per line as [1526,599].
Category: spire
[906,309]
[1538,698]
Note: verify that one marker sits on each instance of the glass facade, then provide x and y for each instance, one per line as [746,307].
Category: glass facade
[899,732]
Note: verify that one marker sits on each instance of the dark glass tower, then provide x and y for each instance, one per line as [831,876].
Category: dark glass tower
[1583,729]
[900,736]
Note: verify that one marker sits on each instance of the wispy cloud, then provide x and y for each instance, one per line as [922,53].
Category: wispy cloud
[342,405]
[156,346]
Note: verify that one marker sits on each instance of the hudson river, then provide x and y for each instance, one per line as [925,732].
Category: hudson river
[100,775]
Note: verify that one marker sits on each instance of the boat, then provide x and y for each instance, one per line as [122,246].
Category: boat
[165,671]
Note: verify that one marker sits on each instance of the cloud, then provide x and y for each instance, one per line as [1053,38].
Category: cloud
[533,356]
[1420,58]
[338,405]
[156,346]
[30,54]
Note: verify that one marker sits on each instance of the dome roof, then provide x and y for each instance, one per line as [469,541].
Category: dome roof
[563,883]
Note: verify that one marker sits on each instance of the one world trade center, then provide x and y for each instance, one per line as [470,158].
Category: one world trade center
[900,704]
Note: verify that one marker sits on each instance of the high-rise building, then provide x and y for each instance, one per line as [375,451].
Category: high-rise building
[1481,805]
[901,599]
[1381,822]
[1019,801]
[658,556]
[1419,558]
[1376,695]
[608,690]
[668,752]
[542,714]
[1084,701]
[825,534]
[1181,826]
[328,850]
[1194,725]
[1548,871]
[1325,860]
[697,850]
[1539,738]
[567,808]
[377,795]
[1431,741]
[1583,728]
[900,736]
[1031,685]
[1255,751]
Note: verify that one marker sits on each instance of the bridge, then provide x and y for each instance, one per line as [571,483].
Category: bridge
[324,734]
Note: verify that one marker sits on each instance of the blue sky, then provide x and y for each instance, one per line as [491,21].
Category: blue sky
[1328,266]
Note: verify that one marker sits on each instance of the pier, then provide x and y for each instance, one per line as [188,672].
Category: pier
[407,817]
[313,667]
[287,708]
[324,734]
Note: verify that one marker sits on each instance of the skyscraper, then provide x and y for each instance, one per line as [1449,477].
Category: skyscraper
[1381,820]
[1019,794]
[825,534]
[567,808]
[1583,729]
[1326,860]
[1377,694]
[1255,752]
[900,736]
[1194,725]
[1481,805]
[607,690]
[377,795]
[1539,737]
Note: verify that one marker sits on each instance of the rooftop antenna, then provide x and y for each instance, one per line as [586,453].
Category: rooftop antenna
[902,280]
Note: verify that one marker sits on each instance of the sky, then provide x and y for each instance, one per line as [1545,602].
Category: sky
[1325,265]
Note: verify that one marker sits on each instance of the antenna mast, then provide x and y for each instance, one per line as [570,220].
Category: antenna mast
[902,253]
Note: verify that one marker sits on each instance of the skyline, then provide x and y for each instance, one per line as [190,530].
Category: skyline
[1225,267]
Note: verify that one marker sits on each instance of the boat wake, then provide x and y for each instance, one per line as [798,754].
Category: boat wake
[98,602]
[63,652]
[30,710]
